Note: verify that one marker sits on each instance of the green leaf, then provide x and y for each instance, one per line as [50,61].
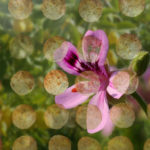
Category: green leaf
[126,25]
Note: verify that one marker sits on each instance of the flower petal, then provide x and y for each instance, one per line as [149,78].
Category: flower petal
[108,128]
[71,98]
[96,119]
[95,46]
[118,84]
[67,58]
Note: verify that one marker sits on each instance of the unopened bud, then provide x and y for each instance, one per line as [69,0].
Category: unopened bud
[140,63]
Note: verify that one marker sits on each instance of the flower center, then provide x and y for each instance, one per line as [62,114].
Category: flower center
[89,82]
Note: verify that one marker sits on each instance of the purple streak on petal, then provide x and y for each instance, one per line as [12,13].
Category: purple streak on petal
[100,101]
[101,37]
[103,73]
[67,58]
[108,128]
[71,98]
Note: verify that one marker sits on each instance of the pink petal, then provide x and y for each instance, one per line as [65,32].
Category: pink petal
[108,128]
[96,119]
[67,58]
[118,84]
[71,98]
[95,46]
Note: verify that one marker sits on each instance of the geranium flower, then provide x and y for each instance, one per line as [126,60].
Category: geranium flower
[100,80]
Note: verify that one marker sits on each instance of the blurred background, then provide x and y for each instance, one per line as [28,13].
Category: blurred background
[71,27]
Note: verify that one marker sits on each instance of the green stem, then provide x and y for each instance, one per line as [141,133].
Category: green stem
[140,100]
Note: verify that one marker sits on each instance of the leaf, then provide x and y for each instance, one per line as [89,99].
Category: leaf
[126,25]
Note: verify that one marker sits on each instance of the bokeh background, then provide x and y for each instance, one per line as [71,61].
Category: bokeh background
[71,27]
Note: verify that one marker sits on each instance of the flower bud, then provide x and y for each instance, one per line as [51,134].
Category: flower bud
[140,63]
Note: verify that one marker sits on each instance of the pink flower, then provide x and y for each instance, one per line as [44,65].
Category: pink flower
[95,47]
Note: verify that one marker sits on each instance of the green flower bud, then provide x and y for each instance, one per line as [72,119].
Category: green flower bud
[140,63]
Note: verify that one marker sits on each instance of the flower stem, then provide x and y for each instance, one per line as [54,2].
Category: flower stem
[140,100]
